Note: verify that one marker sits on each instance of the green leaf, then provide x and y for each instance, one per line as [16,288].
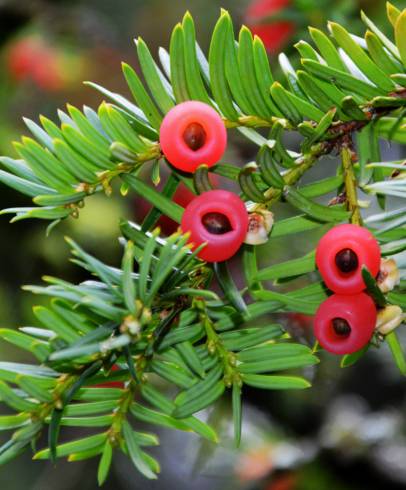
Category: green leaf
[249,80]
[400,36]
[321,128]
[172,373]
[178,69]
[199,403]
[380,55]
[24,186]
[219,84]
[85,444]
[275,382]
[198,389]
[165,205]
[57,413]
[247,181]
[45,165]
[397,352]
[228,286]
[156,418]
[264,75]
[373,288]
[360,58]
[294,267]
[8,422]
[350,359]
[294,224]
[249,337]
[91,408]
[392,13]
[158,85]
[237,409]
[129,288]
[96,135]
[384,40]
[342,79]
[125,107]
[38,348]
[269,170]
[167,406]
[313,209]
[77,165]
[115,124]
[192,360]
[321,187]
[98,155]
[53,322]
[104,464]
[194,80]
[136,454]
[293,303]
[327,49]
[141,96]
[154,214]
[286,103]
[10,398]
[34,388]
[277,364]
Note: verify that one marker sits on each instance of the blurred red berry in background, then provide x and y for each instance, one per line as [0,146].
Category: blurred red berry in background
[273,34]
[30,59]
[51,68]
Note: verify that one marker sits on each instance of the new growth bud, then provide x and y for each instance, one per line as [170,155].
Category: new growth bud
[389,318]
[388,276]
[259,226]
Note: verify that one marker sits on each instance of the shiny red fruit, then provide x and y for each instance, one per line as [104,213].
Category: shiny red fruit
[273,34]
[192,134]
[344,324]
[218,218]
[340,255]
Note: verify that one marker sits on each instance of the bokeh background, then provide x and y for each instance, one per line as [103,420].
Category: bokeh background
[348,432]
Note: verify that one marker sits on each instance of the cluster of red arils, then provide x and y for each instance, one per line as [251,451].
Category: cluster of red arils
[345,322]
[193,134]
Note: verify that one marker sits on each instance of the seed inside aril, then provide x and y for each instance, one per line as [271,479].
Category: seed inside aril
[346,260]
[194,136]
[341,327]
[216,223]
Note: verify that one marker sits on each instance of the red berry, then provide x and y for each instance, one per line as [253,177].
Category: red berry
[340,255]
[218,218]
[32,59]
[273,34]
[21,57]
[191,134]
[344,324]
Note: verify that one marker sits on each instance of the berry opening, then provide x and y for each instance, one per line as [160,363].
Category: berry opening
[346,260]
[194,136]
[341,327]
[216,223]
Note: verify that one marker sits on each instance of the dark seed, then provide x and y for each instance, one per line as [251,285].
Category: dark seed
[346,260]
[194,136]
[341,327]
[216,223]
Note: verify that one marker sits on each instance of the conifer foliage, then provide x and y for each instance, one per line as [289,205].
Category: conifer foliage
[155,316]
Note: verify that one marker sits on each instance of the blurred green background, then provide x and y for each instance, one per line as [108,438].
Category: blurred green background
[348,432]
